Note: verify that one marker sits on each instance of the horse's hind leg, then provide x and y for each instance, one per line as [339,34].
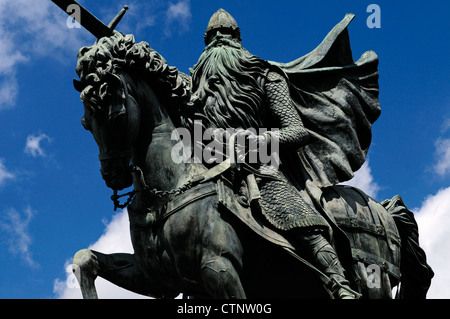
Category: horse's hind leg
[221,279]
[121,269]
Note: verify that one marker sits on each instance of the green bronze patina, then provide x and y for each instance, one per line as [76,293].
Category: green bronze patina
[238,228]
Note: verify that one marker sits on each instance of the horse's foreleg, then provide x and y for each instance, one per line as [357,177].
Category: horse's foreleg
[221,279]
[85,266]
[119,268]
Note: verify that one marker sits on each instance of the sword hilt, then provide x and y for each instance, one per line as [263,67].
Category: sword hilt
[114,22]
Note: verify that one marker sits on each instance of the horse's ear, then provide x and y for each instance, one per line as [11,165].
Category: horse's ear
[78,85]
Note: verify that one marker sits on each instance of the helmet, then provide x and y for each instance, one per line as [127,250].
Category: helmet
[222,20]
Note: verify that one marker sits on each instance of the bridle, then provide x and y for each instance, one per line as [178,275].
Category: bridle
[125,155]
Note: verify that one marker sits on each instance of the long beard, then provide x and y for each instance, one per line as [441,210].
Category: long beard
[227,81]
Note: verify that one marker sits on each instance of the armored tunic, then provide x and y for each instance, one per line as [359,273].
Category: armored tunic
[280,201]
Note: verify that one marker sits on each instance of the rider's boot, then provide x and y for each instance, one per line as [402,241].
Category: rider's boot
[324,257]
[329,264]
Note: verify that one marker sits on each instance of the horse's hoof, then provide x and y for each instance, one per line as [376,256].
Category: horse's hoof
[86,261]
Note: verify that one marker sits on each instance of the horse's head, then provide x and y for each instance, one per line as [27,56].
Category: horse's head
[114,74]
[111,114]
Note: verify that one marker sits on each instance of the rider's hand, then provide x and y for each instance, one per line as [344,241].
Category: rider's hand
[247,142]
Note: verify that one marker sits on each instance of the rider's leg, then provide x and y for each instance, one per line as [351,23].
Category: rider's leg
[319,251]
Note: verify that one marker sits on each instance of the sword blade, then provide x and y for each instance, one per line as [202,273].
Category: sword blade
[86,19]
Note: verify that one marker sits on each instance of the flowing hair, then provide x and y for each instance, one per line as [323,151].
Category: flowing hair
[119,52]
[227,84]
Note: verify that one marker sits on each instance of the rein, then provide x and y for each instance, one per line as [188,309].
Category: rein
[213,172]
[116,199]
[197,179]
[160,193]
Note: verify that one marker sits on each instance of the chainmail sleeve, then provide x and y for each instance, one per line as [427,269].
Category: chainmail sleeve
[283,114]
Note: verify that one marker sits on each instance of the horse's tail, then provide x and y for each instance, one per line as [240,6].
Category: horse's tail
[416,273]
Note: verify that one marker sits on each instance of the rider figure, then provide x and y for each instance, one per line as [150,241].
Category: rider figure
[238,90]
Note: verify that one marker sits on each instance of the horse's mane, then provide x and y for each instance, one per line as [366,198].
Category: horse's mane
[120,52]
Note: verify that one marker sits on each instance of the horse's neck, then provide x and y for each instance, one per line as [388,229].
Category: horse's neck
[154,146]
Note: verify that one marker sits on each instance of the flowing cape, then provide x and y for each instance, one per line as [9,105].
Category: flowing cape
[337,99]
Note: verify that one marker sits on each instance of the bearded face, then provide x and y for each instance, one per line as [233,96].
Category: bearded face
[227,81]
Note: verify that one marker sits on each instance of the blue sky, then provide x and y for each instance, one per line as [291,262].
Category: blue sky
[53,201]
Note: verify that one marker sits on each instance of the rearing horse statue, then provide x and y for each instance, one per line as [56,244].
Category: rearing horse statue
[189,232]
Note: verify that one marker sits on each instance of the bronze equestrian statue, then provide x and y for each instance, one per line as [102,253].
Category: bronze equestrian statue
[227,225]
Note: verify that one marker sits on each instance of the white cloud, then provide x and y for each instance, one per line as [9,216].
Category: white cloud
[33,145]
[363,180]
[38,28]
[442,166]
[442,151]
[445,126]
[4,173]
[42,23]
[30,29]
[116,238]
[8,92]
[141,15]
[433,218]
[15,226]
[10,57]
[178,15]
[180,10]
